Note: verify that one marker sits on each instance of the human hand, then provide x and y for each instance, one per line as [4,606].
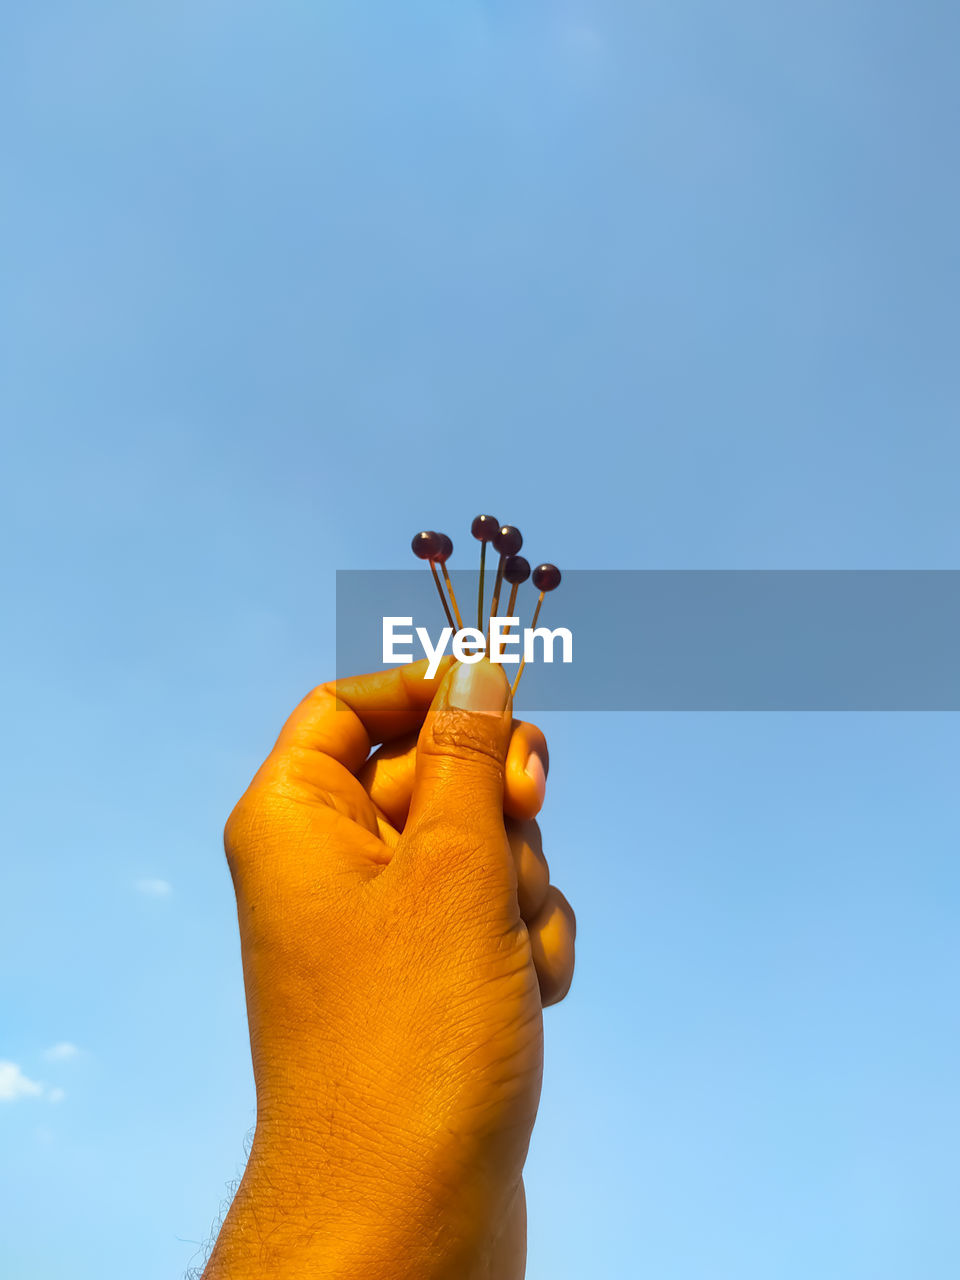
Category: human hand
[399,938]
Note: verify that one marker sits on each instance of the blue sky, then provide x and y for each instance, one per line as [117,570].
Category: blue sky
[667,285]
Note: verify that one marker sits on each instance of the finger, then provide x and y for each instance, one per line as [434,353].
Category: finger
[533,873]
[344,718]
[389,835]
[389,773]
[528,763]
[387,777]
[552,935]
[455,825]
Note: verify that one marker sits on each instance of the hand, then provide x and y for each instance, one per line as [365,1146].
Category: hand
[400,937]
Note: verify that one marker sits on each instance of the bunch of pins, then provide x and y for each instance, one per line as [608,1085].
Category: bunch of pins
[512,569]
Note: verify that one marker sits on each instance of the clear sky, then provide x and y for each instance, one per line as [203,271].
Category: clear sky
[667,285]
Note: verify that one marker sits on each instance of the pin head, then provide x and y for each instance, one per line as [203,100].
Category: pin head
[426,545]
[445,548]
[546,577]
[507,540]
[516,570]
[484,528]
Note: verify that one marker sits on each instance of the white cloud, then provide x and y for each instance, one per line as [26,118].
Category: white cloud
[155,888]
[14,1084]
[60,1052]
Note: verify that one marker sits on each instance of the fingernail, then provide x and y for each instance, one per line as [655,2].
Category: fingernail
[479,687]
[537,775]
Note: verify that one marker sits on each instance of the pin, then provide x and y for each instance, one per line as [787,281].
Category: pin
[515,571]
[443,555]
[484,529]
[507,540]
[546,577]
[428,546]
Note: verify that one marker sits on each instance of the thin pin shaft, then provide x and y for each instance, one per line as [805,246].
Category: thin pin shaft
[483,558]
[453,598]
[497,586]
[536,615]
[510,607]
[443,599]
[495,602]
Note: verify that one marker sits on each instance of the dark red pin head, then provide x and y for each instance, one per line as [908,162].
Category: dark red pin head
[507,540]
[426,545]
[436,549]
[516,570]
[445,548]
[485,528]
[546,577]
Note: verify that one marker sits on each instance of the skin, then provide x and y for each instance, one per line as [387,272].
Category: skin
[400,938]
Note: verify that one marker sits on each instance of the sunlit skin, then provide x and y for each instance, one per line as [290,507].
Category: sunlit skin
[400,937]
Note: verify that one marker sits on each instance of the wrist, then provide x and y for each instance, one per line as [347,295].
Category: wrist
[304,1210]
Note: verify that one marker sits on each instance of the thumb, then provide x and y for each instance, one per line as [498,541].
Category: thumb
[456,810]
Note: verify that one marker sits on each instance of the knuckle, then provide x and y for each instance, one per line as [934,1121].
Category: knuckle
[555,989]
[458,733]
[231,829]
[237,831]
[559,902]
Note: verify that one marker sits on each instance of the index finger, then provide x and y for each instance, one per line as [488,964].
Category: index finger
[344,718]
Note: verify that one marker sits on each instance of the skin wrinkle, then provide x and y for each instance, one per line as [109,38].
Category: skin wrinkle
[456,733]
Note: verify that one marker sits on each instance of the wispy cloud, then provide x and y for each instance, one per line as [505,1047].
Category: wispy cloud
[154,888]
[55,1095]
[61,1052]
[14,1084]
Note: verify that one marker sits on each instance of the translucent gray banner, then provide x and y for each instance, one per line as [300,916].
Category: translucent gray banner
[700,640]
